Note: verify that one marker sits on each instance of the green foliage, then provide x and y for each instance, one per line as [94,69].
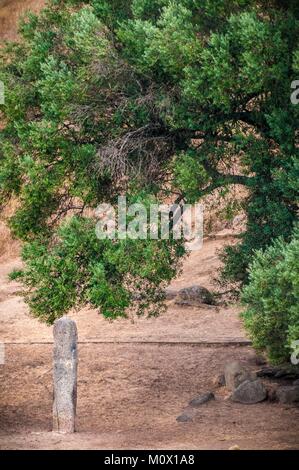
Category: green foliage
[148,97]
[272,299]
[173,37]
[79,269]
[189,175]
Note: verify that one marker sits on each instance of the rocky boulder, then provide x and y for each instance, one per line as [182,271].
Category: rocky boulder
[249,392]
[272,391]
[288,394]
[285,373]
[195,295]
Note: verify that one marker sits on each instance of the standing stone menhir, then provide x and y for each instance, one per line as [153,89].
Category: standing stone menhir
[65,375]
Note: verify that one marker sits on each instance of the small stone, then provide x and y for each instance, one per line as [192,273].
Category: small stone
[201,399]
[235,373]
[187,416]
[250,392]
[183,418]
[235,447]
[287,394]
[195,294]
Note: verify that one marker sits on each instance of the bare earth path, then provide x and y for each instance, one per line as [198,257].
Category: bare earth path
[136,378]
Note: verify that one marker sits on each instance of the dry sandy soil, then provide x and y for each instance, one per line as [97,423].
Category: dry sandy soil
[10,12]
[134,378]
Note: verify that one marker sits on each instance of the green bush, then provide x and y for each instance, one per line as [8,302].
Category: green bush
[78,269]
[272,298]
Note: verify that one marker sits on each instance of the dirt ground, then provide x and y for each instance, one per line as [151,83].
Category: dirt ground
[136,378]
[11,11]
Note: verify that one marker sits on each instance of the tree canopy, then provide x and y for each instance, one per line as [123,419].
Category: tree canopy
[155,99]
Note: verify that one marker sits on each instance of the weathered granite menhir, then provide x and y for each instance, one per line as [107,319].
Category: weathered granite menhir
[65,375]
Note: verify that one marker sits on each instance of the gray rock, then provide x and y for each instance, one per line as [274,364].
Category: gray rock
[249,392]
[285,373]
[187,416]
[272,391]
[201,399]
[267,372]
[65,375]
[235,373]
[195,294]
[296,382]
[184,418]
[287,394]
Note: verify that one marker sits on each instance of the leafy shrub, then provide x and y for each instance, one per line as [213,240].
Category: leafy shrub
[272,298]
